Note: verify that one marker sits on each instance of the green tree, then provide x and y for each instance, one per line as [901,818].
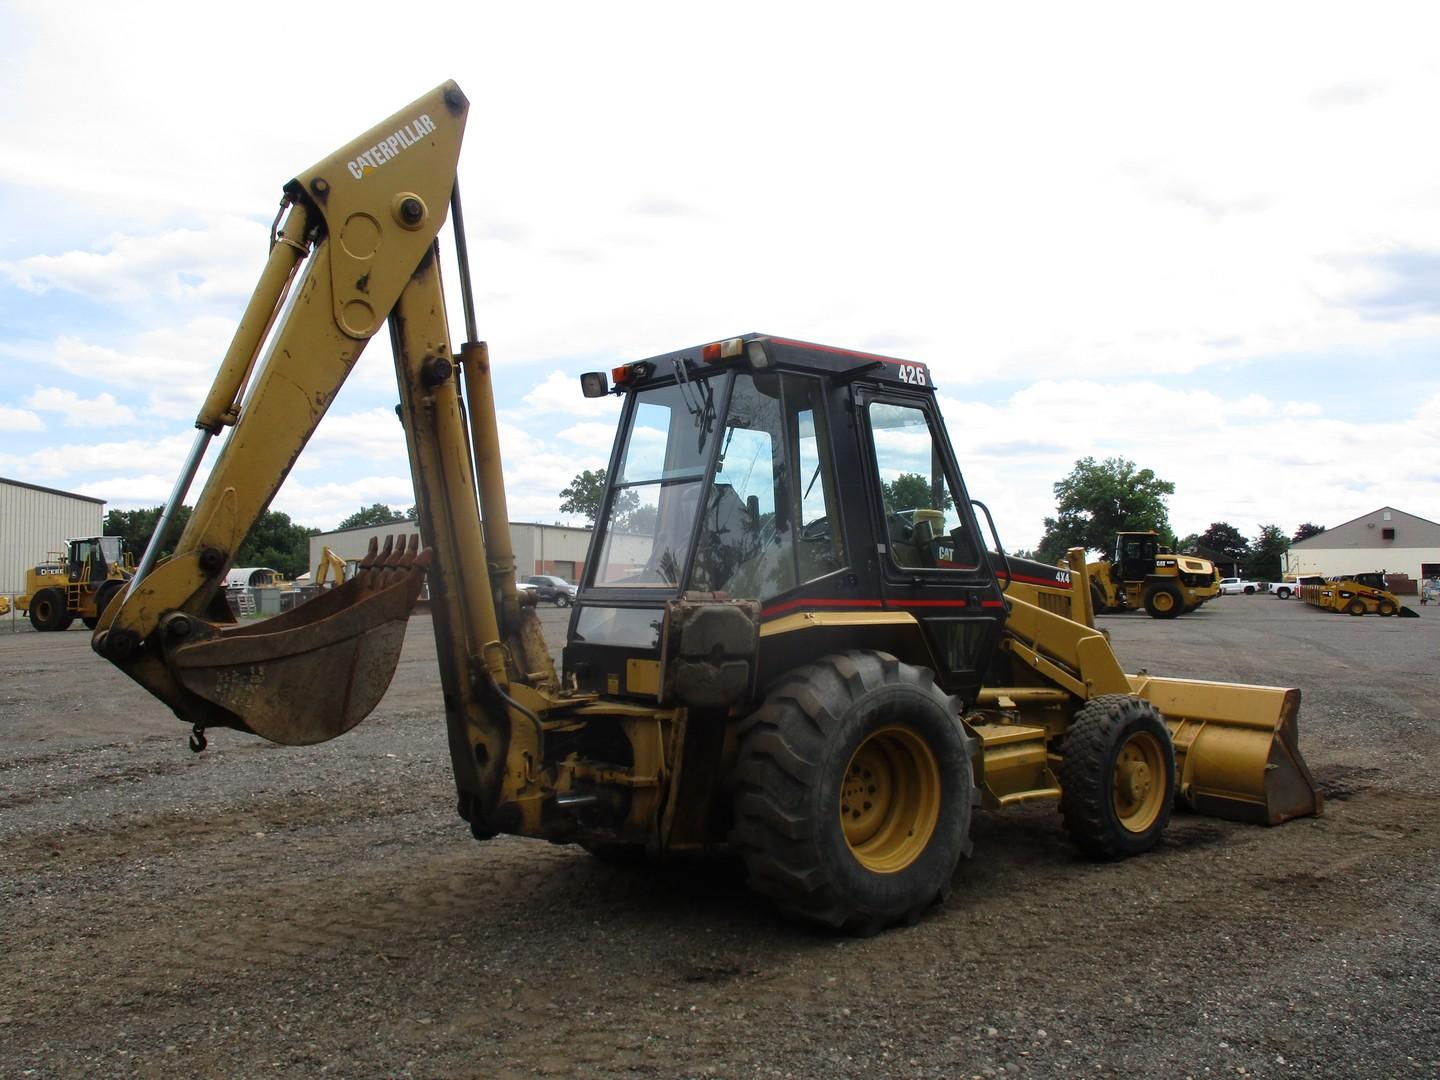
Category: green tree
[1099,499]
[137,526]
[584,494]
[1227,540]
[1188,543]
[374,514]
[911,491]
[1268,553]
[1305,531]
[277,542]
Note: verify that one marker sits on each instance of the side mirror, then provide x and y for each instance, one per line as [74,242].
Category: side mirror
[594,384]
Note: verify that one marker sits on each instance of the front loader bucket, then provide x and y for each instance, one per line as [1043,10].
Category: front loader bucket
[1237,753]
[313,672]
[1408,613]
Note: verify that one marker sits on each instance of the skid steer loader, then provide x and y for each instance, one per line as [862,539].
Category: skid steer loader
[776,649]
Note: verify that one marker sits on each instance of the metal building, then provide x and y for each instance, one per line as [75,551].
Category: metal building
[1386,539]
[34,521]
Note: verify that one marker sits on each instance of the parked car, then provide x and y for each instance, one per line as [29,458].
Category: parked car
[552,588]
[1230,585]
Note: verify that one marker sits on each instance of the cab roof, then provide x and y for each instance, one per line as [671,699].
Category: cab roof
[756,351]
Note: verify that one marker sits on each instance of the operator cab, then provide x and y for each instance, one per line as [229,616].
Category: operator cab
[98,553]
[1135,554]
[817,482]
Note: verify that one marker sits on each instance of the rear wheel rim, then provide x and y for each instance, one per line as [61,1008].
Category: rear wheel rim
[890,799]
[1164,600]
[1139,783]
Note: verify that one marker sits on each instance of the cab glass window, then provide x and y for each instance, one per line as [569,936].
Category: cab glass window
[650,521]
[766,525]
[923,525]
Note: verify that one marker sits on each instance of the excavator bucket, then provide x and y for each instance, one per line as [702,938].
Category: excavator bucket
[1237,753]
[311,673]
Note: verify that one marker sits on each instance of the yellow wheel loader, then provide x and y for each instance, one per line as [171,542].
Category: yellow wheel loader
[1143,574]
[76,584]
[777,648]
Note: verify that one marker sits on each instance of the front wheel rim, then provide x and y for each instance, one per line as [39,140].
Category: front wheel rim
[890,799]
[1139,782]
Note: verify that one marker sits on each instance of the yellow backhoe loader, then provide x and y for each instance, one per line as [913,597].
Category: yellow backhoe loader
[1143,574]
[789,655]
[331,565]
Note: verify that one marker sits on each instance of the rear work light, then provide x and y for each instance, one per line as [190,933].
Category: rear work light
[728,349]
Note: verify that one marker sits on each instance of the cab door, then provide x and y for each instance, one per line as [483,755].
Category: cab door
[928,546]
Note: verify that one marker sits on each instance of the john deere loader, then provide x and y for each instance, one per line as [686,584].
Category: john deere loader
[771,652]
[75,584]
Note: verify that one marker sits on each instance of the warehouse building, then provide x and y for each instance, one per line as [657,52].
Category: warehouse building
[35,521]
[1386,539]
[539,549]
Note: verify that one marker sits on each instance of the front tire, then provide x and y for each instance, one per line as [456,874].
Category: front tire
[562,600]
[1385,607]
[1163,602]
[1117,777]
[48,611]
[1283,593]
[853,793]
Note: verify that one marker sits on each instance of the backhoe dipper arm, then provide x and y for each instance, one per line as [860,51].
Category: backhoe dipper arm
[358,247]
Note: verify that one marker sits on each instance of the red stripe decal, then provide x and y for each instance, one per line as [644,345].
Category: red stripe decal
[831,602]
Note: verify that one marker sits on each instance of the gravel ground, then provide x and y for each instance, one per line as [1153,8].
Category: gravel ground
[258,909]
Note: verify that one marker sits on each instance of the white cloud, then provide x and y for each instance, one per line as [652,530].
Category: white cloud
[99,411]
[12,419]
[190,265]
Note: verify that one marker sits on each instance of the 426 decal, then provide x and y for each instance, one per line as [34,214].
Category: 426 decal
[914,374]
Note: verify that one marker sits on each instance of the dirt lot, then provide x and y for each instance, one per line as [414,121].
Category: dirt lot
[256,909]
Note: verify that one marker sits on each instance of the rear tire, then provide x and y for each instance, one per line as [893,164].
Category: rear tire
[1163,601]
[853,793]
[48,611]
[1355,607]
[1117,777]
[1097,601]
[1283,593]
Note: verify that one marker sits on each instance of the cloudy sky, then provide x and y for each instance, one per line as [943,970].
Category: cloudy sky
[1205,238]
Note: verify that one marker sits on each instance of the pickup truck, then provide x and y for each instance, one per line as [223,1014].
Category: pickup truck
[1230,585]
[1286,589]
[551,587]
